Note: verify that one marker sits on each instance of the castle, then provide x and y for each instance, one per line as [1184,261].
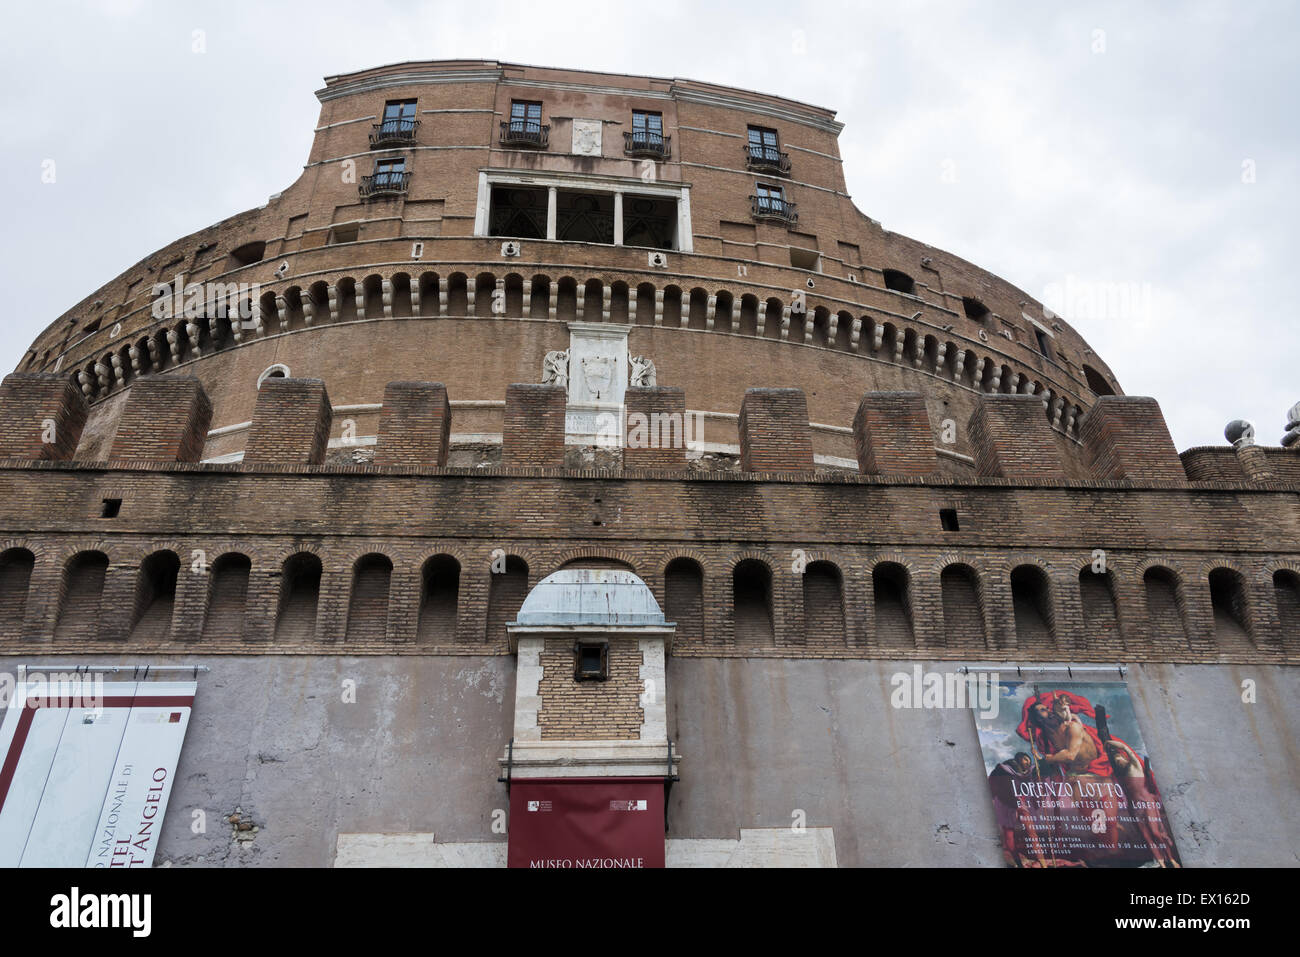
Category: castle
[585,425]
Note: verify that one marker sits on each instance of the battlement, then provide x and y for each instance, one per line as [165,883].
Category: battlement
[414,556]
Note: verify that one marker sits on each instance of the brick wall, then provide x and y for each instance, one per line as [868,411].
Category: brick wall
[656,428]
[774,431]
[590,710]
[1011,438]
[291,424]
[1126,437]
[41,416]
[415,425]
[892,435]
[533,433]
[166,418]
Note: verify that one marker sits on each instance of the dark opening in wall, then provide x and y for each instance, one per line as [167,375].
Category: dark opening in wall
[649,221]
[974,309]
[1097,382]
[368,605]
[518,212]
[823,604]
[346,233]
[805,259]
[963,617]
[83,590]
[1031,599]
[1164,606]
[1044,342]
[111,508]
[299,596]
[16,566]
[1100,613]
[1286,589]
[440,598]
[247,254]
[506,593]
[227,597]
[751,595]
[899,282]
[584,217]
[948,519]
[684,598]
[591,661]
[893,604]
[155,596]
[1231,622]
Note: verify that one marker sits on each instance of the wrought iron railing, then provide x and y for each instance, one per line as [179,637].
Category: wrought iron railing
[771,207]
[525,133]
[644,143]
[767,159]
[383,184]
[398,132]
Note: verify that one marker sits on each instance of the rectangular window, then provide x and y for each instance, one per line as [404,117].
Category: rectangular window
[763,144]
[525,116]
[769,197]
[389,172]
[651,124]
[399,116]
[1043,345]
[591,661]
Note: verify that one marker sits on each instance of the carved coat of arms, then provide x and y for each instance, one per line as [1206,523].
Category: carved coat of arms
[598,371]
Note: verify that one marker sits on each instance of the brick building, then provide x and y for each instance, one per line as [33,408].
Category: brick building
[586,426]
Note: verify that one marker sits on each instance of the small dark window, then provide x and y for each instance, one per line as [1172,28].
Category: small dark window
[248,253]
[948,519]
[590,661]
[974,309]
[899,282]
[344,234]
[111,507]
[1043,345]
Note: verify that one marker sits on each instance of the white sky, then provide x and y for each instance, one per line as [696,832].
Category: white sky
[1062,149]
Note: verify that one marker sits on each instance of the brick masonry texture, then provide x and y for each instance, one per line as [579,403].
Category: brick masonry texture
[1128,438]
[534,425]
[1011,439]
[415,425]
[607,710]
[891,433]
[41,417]
[291,424]
[165,418]
[656,428]
[774,433]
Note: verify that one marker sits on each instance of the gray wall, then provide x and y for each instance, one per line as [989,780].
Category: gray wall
[760,738]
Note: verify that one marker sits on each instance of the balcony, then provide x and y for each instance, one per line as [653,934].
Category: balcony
[765,159]
[642,143]
[525,133]
[769,207]
[393,133]
[383,184]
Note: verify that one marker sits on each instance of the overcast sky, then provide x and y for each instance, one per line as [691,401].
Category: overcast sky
[1132,164]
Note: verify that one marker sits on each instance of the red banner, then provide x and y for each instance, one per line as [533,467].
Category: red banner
[586,822]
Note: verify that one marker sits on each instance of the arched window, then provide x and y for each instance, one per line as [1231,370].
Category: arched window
[299,596]
[893,604]
[1100,611]
[439,599]
[1164,606]
[1286,589]
[368,605]
[1231,617]
[1032,603]
[506,592]
[227,597]
[823,604]
[1097,382]
[277,371]
[16,566]
[83,590]
[155,596]
[751,596]
[963,616]
[684,598]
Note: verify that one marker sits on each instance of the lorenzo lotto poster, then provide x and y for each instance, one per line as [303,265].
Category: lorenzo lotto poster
[1071,779]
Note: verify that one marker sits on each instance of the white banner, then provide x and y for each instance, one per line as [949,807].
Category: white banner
[85,775]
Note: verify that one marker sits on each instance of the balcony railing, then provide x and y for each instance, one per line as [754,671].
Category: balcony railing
[769,207]
[383,184]
[393,133]
[766,159]
[525,133]
[642,143]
